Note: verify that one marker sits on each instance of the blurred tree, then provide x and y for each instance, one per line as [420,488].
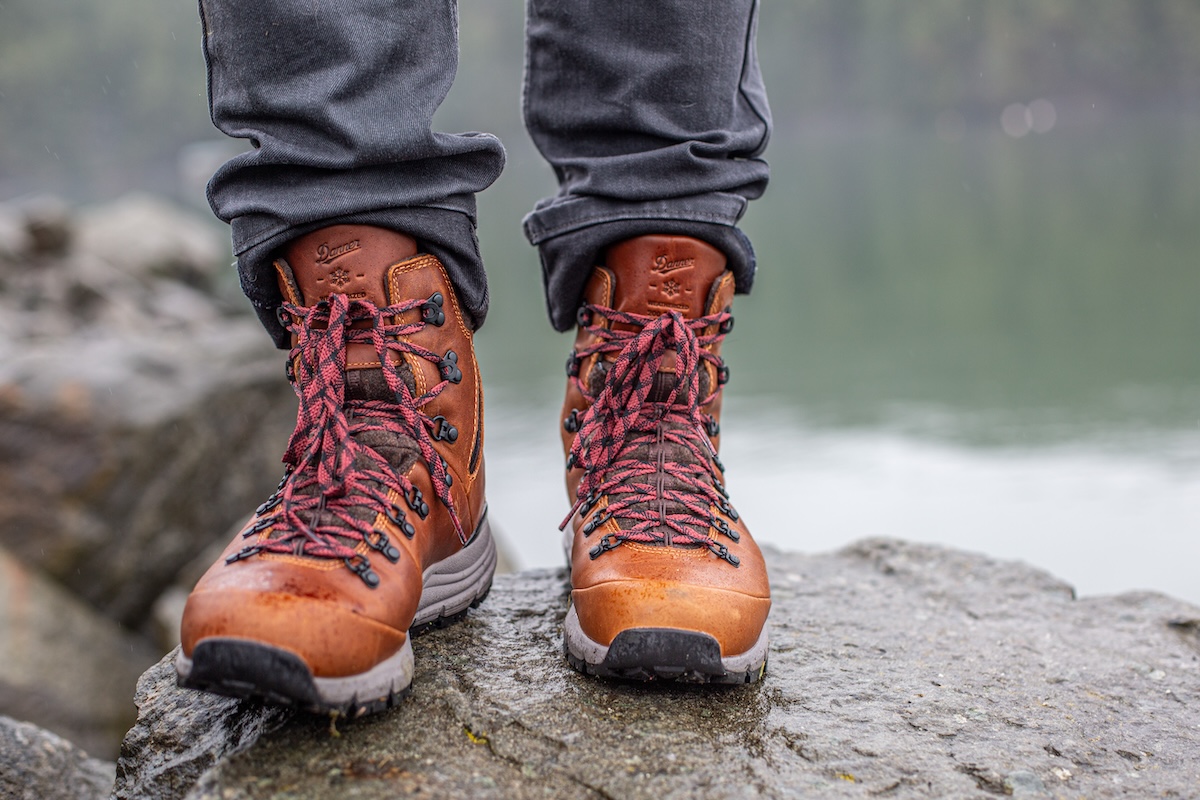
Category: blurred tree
[97,96]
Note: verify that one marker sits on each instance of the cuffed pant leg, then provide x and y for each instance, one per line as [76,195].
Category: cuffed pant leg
[337,100]
[653,116]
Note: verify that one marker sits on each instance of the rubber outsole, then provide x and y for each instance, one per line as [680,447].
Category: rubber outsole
[661,654]
[250,670]
[254,671]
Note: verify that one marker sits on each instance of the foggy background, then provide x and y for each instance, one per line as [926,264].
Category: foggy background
[976,317]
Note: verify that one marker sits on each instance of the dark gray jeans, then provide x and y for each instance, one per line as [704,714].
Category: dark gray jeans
[652,114]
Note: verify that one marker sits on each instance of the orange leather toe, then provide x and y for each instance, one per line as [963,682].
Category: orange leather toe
[333,641]
[732,618]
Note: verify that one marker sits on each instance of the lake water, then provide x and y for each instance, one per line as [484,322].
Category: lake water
[991,343]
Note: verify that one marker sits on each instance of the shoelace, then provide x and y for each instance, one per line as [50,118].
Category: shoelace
[622,420]
[314,503]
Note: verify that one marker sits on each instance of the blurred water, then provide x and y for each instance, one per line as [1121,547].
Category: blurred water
[1104,519]
[988,342]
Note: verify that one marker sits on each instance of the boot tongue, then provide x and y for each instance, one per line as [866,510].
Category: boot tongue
[658,274]
[369,383]
[352,260]
[348,259]
[660,389]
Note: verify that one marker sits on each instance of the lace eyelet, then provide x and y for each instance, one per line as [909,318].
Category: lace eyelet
[245,552]
[416,501]
[431,310]
[609,542]
[448,367]
[722,527]
[443,431]
[360,565]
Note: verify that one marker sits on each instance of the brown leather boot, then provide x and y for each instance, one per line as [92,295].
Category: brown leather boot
[666,580]
[379,526]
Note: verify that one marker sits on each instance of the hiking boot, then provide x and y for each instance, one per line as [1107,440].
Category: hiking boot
[379,526]
[666,581]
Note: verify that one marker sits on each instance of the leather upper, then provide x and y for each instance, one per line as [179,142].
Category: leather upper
[638,585]
[317,607]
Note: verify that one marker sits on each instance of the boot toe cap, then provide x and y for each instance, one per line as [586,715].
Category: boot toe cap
[333,640]
[735,619]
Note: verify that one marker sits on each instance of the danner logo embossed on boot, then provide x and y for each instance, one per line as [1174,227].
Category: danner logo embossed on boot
[669,295]
[338,277]
[663,264]
[667,292]
[326,254]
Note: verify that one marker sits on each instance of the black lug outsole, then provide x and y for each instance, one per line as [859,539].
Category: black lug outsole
[257,672]
[664,654]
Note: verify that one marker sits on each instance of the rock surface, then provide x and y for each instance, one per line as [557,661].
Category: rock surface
[897,670]
[141,413]
[37,765]
[65,667]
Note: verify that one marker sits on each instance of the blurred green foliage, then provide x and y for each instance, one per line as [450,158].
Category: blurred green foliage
[976,56]
[97,96]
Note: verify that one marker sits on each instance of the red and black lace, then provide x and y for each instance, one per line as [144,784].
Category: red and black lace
[331,474]
[644,445]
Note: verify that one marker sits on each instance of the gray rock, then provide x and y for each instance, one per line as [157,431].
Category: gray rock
[49,228]
[144,235]
[897,670]
[181,735]
[65,667]
[37,765]
[1024,783]
[114,475]
[134,265]
[139,418]
[13,233]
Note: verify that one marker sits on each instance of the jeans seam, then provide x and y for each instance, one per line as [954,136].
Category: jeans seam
[538,231]
[543,234]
